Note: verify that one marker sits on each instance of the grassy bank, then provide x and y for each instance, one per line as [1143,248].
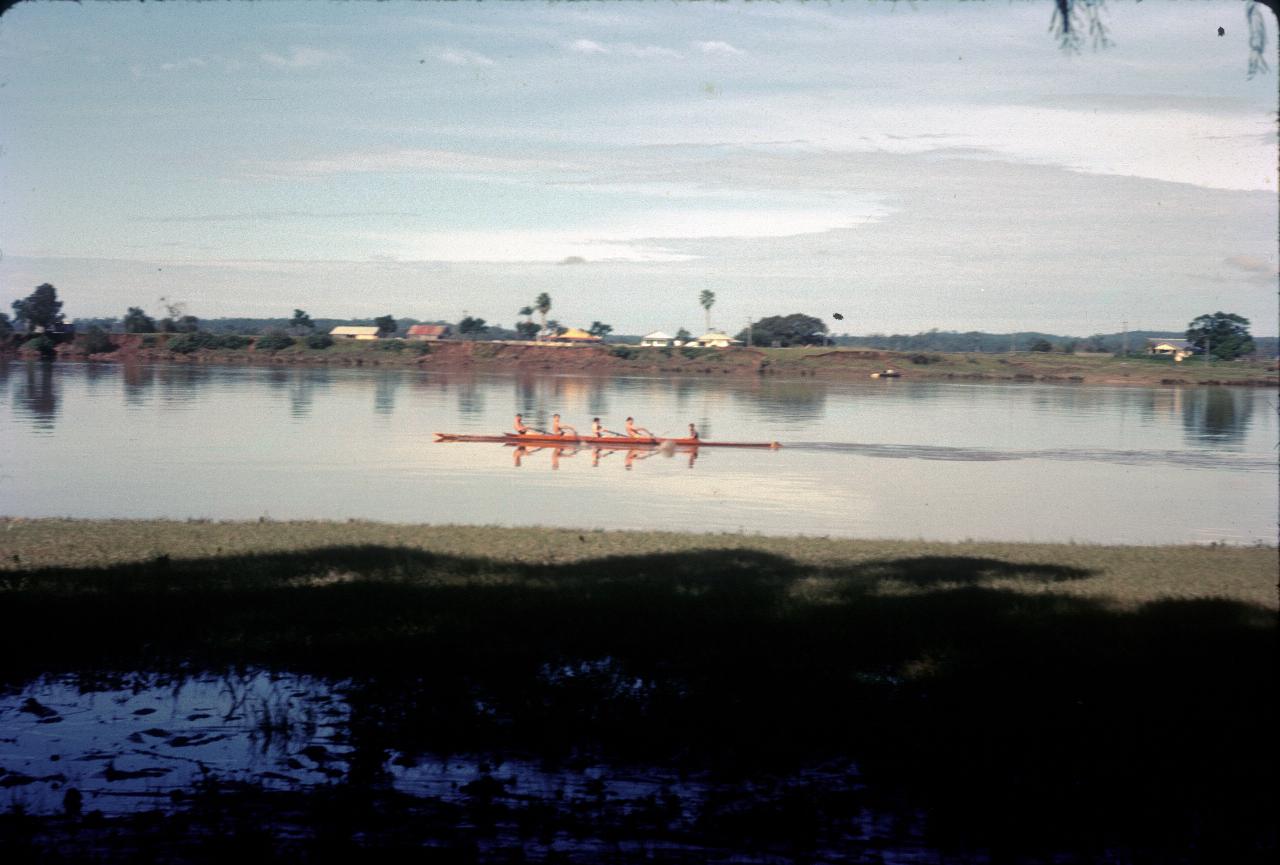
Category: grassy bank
[1027,698]
[830,363]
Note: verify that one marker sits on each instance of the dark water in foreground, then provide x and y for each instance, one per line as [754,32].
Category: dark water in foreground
[901,459]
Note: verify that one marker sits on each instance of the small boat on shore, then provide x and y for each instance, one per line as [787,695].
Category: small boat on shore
[598,441]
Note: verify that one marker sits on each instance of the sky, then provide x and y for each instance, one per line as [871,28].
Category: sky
[908,165]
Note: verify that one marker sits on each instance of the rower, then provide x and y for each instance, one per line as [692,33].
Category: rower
[558,429]
[521,429]
[693,432]
[597,428]
[637,431]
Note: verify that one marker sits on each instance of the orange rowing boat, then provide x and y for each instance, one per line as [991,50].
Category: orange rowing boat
[598,441]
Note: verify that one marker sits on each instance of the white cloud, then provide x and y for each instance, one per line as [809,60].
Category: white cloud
[465,58]
[625,49]
[401,161]
[723,49]
[188,63]
[302,57]
[586,46]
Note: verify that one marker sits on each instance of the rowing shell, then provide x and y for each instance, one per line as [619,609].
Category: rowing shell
[599,441]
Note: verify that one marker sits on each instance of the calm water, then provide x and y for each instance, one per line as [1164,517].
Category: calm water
[864,459]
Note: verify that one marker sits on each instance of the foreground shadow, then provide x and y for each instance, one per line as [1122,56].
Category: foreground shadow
[1023,723]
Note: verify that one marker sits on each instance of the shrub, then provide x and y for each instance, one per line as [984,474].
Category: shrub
[272,341]
[390,345]
[232,340]
[42,344]
[694,352]
[319,341]
[95,341]
[625,352]
[422,347]
[148,341]
[925,359]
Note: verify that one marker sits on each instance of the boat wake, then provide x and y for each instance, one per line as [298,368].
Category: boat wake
[1193,459]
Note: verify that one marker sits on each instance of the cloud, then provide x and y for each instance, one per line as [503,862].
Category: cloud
[722,49]
[586,46]
[303,57]
[624,49]
[1260,270]
[401,161]
[188,63]
[465,58]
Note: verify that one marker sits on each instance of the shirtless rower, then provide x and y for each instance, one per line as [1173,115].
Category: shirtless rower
[521,429]
[559,429]
[693,432]
[637,431]
[597,428]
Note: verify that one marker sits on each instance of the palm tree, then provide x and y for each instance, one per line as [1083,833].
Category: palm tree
[542,303]
[708,300]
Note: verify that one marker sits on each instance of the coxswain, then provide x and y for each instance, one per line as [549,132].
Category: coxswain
[637,431]
[559,429]
[693,432]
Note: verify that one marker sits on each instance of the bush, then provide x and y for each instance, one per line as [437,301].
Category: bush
[188,342]
[148,341]
[95,341]
[390,345]
[925,359]
[625,352]
[232,340]
[319,341]
[422,347]
[42,344]
[273,341]
[694,352]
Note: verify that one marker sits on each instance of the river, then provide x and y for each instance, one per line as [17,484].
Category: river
[874,459]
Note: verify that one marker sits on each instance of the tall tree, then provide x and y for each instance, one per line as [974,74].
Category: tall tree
[600,329]
[5,327]
[1225,334]
[40,309]
[542,303]
[137,321]
[386,324]
[794,329]
[301,321]
[471,325]
[707,300]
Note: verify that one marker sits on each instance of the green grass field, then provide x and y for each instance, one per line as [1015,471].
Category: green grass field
[1031,697]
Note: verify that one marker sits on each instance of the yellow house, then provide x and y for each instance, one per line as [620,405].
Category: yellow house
[348,332]
[715,339]
[576,334]
[1178,349]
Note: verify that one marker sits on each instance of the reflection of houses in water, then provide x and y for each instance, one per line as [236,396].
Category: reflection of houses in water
[1167,403]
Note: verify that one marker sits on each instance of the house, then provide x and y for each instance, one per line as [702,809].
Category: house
[576,334]
[657,339]
[348,332]
[424,332]
[1178,349]
[715,339]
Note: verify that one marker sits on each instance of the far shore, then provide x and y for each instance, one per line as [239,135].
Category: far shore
[842,364]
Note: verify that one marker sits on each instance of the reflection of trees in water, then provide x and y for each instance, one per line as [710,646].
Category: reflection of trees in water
[793,400]
[470,398]
[138,381]
[301,394]
[177,384]
[37,396]
[1217,414]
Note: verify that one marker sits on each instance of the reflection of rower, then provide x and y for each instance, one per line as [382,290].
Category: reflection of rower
[634,454]
[555,455]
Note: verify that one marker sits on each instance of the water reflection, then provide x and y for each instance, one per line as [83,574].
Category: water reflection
[1217,415]
[384,392]
[37,395]
[137,380]
[629,455]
